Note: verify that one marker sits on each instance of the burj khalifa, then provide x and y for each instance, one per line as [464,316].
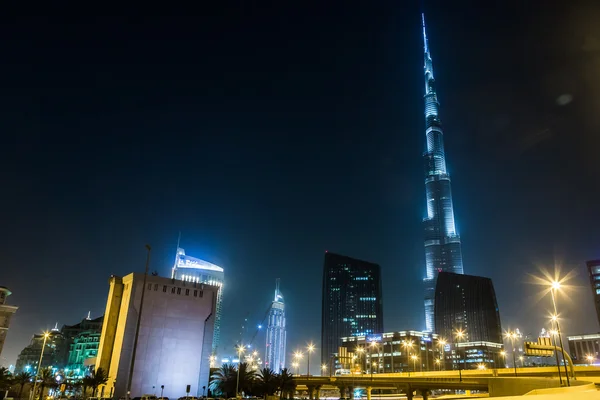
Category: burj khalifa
[442,242]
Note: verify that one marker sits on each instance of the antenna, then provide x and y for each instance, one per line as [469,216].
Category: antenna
[424,34]
[176,257]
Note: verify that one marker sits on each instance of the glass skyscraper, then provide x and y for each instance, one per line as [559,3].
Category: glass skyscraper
[195,270]
[442,243]
[352,303]
[275,346]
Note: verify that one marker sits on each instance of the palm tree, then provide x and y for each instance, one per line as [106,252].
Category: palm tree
[22,379]
[286,383]
[46,378]
[224,380]
[5,380]
[268,382]
[247,378]
[86,382]
[99,377]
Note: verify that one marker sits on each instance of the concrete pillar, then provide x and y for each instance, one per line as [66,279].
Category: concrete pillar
[317,392]
[409,394]
[351,392]
[425,394]
[369,393]
[311,392]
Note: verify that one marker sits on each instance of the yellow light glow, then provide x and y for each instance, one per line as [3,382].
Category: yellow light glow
[323,367]
[310,347]
[298,355]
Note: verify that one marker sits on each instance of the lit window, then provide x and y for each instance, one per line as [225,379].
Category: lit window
[597,291]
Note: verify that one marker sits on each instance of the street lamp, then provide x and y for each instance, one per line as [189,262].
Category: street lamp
[438,362]
[512,336]
[590,359]
[373,364]
[240,349]
[323,369]
[407,344]
[37,372]
[481,366]
[414,358]
[522,359]
[442,344]
[503,354]
[296,365]
[460,334]
[361,350]
[310,348]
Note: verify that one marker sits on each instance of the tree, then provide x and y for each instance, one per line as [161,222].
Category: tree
[268,382]
[46,379]
[86,382]
[99,377]
[224,380]
[22,379]
[5,380]
[286,383]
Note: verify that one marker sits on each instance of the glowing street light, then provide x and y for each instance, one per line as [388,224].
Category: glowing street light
[360,350]
[442,342]
[590,359]
[309,349]
[460,334]
[408,345]
[240,349]
[481,367]
[323,369]
[296,365]
[46,336]
[414,358]
[438,362]
[522,359]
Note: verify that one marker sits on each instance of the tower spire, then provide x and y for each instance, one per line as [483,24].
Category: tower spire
[424,34]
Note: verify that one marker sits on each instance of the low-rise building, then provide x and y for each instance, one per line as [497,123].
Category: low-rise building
[582,346]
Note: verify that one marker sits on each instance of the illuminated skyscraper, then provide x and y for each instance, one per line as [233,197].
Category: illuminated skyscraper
[352,303]
[593,267]
[442,243]
[275,351]
[195,270]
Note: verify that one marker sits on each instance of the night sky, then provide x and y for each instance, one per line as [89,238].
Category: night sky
[269,134]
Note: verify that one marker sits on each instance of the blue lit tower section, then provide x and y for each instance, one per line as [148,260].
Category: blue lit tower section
[442,243]
[198,272]
[275,346]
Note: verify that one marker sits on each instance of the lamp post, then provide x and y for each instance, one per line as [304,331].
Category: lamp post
[439,364]
[553,334]
[554,288]
[240,350]
[373,364]
[37,372]
[503,354]
[361,350]
[323,369]
[407,346]
[522,359]
[442,344]
[590,359]
[460,334]
[296,365]
[372,346]
[414,358]
[310,348]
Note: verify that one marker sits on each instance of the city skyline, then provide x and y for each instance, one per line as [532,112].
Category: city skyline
[275,350]
[272,145]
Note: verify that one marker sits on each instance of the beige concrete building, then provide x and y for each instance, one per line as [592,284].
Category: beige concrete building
[6,313]
[175,337]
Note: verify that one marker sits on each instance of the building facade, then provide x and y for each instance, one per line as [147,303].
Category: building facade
[191,269]
[442,242]
[6,313]
[593,267]
[55,352]
[467,315]
[352,301]
[276,334]
[175,336]
[83,340]
[403,351]
[582,346]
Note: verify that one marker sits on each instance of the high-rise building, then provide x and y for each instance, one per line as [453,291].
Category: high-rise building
[175,336]
[55,352]
[191,269]
[594,273]
[6,313]
[467,304]
[352,302]
[82,341]
[275,346]
[442,242]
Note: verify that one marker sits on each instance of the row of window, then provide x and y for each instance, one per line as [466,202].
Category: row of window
[176,290]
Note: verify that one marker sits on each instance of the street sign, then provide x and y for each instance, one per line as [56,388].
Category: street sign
[543,348]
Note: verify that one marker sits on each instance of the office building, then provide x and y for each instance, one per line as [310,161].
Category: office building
[442,242]
[582,346]
[593,267]
[352,301]
[175,336]
[55,352]
[466,314]
[276,334]
[6,313]
[191,269]
[83,340]
[403,351]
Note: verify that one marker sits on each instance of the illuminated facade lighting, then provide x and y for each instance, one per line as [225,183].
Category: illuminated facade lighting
[276,334]
[197,271]
[442,242]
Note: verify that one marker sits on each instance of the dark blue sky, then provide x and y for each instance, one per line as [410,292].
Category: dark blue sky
[269,134]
